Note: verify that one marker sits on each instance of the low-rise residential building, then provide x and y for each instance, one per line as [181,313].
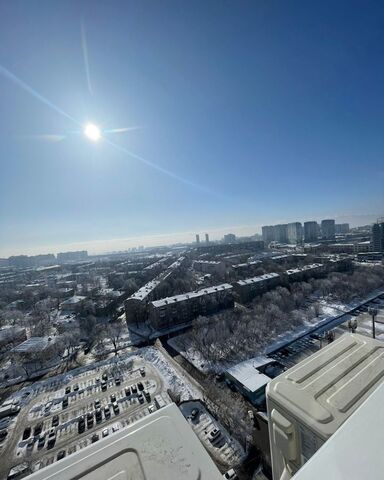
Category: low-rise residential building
[73,304]
[249,288]
[305,272]
[211,267]
[184,308]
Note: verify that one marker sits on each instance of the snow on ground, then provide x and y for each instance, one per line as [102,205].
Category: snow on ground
[225,448]
[173,378]
[180,344]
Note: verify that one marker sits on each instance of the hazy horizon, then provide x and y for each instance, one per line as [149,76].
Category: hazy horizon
[102,246]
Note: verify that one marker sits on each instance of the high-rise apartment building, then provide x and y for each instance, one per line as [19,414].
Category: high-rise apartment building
[310,231]
[197,238]
[206,238]
[295,232]
[328,229]
[341,228]
[268,233]
[378,236]
[230,238]
[281,233]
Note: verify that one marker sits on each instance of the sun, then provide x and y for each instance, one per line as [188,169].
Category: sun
[92,132]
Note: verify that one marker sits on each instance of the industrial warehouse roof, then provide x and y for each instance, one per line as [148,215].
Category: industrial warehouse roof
[261,278]
[246,373]
[186,296]
[159,446]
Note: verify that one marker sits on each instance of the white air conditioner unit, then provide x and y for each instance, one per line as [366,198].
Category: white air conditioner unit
[308,403]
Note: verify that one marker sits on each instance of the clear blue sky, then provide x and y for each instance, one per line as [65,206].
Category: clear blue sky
[262,111]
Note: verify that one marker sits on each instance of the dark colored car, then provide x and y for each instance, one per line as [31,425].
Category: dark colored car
[38,429]
[140,386]
[81,425]
[26,433]
[41,442]
[55,421]
[117,381]
[98,415]
[104,376]
[65,402]
[113,397]
[103,386]
[76,387]
[134,389]
[97,403]
[127,391]
[95,438]
[61,454]
[67,390]
[141,398]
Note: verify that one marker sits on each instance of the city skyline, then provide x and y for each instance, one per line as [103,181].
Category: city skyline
[252,116]
[104,246]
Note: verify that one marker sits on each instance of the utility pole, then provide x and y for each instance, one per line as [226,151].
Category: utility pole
[373,312]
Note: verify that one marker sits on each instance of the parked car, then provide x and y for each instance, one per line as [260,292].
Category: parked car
[76,387]
[147,395]
[98,415]
[116,408]
[103,386]
[26,433]
[134,388]
[117,381]
[95,438]
[127,392]
[67,390]
[214,434]
[65,402]
[105,432]
[141,398]
[107,412]
[104,376]
[230,475]
[61,455]
[97,403]
[113,397]
[30,445]
[51,438]
[140,386]
[38,429]
[142,371]
[89,420]
[81,425]
[55,421]
[41,442]
[194,413]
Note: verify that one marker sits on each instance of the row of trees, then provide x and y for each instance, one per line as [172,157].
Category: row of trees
[235,335]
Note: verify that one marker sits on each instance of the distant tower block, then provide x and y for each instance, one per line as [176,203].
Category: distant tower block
[206,238]
[197,238]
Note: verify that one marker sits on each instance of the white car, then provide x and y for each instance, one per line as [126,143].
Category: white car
[105,432]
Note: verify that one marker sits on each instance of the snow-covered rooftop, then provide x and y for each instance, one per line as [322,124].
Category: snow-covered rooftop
[261,278]
[189,295]
[247,374]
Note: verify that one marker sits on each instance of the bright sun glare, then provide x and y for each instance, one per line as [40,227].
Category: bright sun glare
[92,132]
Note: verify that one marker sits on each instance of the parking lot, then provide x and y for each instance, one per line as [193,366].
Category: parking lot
[64,416]
[215,438]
